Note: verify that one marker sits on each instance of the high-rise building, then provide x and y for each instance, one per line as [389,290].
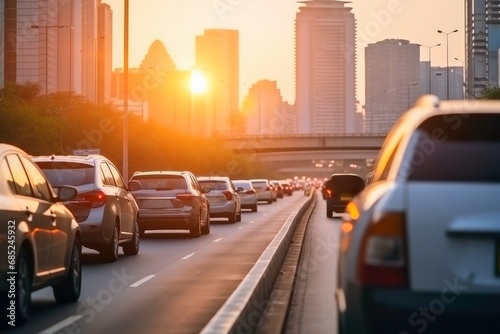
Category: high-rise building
[52,44]
[482,45]
[325,67]
[438,81]
[392,82]
[217,58]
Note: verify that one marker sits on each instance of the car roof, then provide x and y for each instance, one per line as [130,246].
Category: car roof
[87,159]
[159,172]
[8,147]
[217,178]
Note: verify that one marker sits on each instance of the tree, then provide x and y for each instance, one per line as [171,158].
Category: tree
[490,93]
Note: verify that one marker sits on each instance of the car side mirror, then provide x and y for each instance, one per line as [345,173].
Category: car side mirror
[206,189]
[239,189]
[66,193]
[134,185]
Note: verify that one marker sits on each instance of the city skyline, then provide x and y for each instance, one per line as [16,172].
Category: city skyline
[267,33]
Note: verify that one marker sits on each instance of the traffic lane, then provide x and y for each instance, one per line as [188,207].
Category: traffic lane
[313,308]
[161,252]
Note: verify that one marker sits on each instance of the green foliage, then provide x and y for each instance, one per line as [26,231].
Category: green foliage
[490,93]
[62,122]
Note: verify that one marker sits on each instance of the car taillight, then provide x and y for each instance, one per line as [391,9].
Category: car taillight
[93,199]
[250,191]
[382,259]
[184,196]
[228,195]
[329,192]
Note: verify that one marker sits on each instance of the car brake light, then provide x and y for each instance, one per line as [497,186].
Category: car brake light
[228,195]
[329,192]
[250,191]
[184,196]
[382,259]
[92,199]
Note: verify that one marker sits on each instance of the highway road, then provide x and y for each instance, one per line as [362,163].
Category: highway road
[176,284]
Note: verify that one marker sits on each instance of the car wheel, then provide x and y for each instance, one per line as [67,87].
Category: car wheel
[329,211]
[232,218]
[142,232]
[195,231]
[254,208]
[23,287]
[238,217]
[206,229]
[132,247]
[68,291]
[110,252]
[269,201]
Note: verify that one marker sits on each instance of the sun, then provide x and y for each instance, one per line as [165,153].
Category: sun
[198,83]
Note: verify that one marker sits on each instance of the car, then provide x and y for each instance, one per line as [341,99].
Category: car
[265,191]
[279,188]
[287,187]
[105,208]
[340,190]
[308,188]
[39,237]
[248,194]
[172,200]
[420,246]
[223,198]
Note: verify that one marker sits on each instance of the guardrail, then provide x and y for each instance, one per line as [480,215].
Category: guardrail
[249,298]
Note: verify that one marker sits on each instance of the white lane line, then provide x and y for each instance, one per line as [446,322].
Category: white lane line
[188,256]
[240,228]
[217,240]
[251,222]
[139,282]
[57,327]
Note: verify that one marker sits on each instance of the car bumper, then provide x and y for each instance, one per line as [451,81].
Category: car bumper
[383,310]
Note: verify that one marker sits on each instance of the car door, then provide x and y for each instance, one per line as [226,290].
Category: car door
[60,223]
[37,216]
[127,204]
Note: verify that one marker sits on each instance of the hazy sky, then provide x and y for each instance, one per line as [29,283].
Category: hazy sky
[267,32]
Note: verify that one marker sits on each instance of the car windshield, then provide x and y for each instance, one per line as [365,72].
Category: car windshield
[67,173]
[160,182]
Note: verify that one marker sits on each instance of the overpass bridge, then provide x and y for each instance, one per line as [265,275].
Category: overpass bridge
[305,152]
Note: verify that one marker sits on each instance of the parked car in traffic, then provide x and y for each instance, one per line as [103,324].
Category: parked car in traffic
[104,208]
[265,191]
[39,237]
[420,248]
[248,194]
[287,187]
[340,190]
[223,198]
[172,200]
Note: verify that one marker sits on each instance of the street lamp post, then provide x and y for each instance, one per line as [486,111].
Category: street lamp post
[430,65]
[125,89]
[463,70]
[447,64]
[46,27]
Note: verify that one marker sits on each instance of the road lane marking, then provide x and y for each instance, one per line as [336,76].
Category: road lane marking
[60,325]
[240,228]
[188,256]
[251,222]
[139,282]
[217,240]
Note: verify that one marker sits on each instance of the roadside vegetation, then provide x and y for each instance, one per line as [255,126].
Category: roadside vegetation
[62,122]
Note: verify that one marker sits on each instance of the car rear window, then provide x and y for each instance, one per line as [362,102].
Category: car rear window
[347,184]
[160,182]
[67,173]
[258,184]
[244,185]
[214,184]
[457,148]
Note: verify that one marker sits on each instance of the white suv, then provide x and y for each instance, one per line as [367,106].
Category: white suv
[421,247]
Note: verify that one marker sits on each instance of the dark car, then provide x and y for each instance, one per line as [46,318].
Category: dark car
[340,190]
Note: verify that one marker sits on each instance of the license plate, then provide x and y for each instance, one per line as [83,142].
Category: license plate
[345,198]
[497,259]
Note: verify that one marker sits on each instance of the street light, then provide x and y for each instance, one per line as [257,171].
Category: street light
[463,70]
[125,88]
[447,65]
[430,68]
[46,27]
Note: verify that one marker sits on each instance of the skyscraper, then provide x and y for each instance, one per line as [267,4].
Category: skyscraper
[482,45]
[392,82]
[217,57]
[325,67]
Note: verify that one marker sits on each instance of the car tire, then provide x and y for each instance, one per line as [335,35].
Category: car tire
[269,201]
[238,217]
[206,229]
[195,231]
[329,211]
[132,247]
[110,251]
[23,286]
[142,232]
[68,291]
[232,218]
[254,208]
